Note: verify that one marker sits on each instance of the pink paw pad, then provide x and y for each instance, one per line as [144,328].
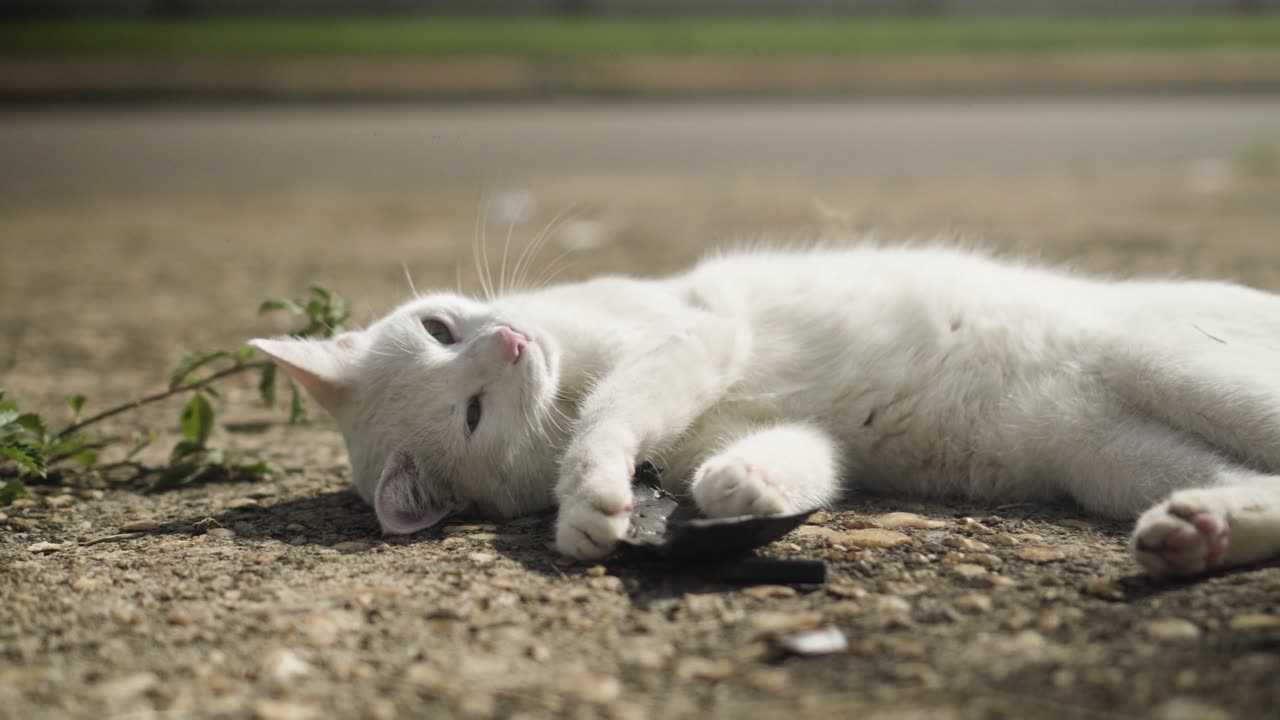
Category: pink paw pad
[1195,548]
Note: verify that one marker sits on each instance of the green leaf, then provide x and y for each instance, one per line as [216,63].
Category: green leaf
[196,421]
[11,490]
[179,475]
[182,373]
[297,411]
[259,469]
[321,291]
[32,423]
[68,445]
[275,305]
[8,416]
[185,449]
[243,353]
[28,457]
[267,386]
[86,458]
[76,403]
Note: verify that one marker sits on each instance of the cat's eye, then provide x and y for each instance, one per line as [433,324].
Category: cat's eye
[438,330]
[473,414]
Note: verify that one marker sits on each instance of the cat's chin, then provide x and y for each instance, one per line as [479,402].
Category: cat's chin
[542,371]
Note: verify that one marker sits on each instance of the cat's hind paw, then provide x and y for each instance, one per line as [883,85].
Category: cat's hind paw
[1184,536]
[731,487]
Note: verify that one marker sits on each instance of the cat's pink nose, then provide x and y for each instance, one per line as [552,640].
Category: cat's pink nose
[513,342]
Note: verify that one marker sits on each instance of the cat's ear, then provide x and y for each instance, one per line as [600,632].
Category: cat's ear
[326,368]
[401,502]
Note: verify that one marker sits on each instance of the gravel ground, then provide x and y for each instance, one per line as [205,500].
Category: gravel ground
[280,600]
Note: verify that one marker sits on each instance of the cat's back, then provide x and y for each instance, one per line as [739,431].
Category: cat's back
[883,280]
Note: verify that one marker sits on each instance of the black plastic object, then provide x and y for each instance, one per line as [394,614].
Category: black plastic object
[661,524]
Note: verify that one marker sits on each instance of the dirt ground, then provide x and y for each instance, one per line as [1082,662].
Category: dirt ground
[118,259]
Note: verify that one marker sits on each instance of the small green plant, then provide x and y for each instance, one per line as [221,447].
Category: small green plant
[29,448]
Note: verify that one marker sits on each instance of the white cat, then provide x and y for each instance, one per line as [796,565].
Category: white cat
[770,382]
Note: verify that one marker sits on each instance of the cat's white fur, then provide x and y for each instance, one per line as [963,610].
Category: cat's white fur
[773,381]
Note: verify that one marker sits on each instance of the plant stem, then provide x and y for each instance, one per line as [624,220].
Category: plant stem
[197,385]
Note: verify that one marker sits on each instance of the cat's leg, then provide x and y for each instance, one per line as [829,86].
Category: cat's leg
[1222,388]
[1202,510]
[780,469]
[640,405]
[1235,522]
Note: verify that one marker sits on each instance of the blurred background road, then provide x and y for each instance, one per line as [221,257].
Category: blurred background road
[108,152]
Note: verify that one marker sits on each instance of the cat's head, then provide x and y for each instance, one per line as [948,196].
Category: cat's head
[445,404]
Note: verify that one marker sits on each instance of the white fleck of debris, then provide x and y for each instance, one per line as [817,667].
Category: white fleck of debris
[824,641]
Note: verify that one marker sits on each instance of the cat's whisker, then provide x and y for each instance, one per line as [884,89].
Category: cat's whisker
[551,271]
[506,248]
[409,278]
[480,254]
[524,263]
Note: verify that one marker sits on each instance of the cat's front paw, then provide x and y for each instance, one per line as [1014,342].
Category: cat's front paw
[729,486]
[1186,535]
[590,524]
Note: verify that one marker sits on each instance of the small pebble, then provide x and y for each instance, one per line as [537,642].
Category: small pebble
[704,669]
[966,543]
[1254,622]
[846,590]
[779,622]
[969,571]
[352,546]
[220,532]
[825,533]
[762,592]
[891,605]
[908,520]
[1041,554]
[1105,588]
[874,538]
[595,571]
[608,583]
[974,603]
[88,583]
[1171,629]
[595,689]
[283,666]
[240,503]
[1004,539]
[769,680]
[57,501]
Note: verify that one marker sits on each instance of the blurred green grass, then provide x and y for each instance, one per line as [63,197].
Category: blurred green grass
[536,37]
